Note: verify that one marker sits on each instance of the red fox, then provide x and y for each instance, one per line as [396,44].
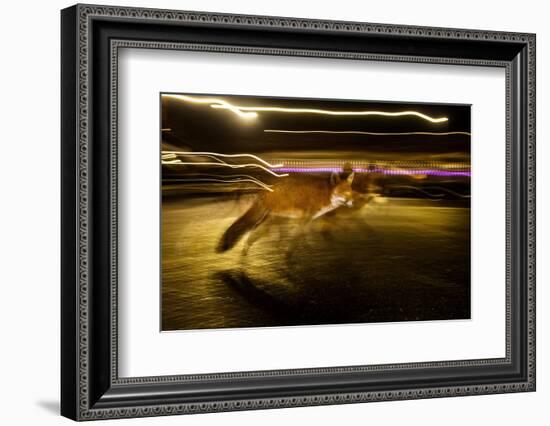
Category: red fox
[305,198]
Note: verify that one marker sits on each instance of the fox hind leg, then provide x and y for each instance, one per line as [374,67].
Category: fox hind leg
[255,233]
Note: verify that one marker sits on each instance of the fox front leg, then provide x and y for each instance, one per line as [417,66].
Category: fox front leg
[302,228]
[326,230]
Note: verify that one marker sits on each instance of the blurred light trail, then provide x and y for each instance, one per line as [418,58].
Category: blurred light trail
[217,154]
[331,112]
[428,172]
[241,176]
[252,111]
[426,192]
[257,182]
[354,132]
[222,164]
[375,163]
[213,101]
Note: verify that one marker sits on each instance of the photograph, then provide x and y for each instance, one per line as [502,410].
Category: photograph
[283,211]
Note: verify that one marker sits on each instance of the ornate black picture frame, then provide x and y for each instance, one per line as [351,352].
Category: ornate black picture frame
[91,386]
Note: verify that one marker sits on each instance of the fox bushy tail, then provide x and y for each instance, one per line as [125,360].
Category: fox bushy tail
[247,222]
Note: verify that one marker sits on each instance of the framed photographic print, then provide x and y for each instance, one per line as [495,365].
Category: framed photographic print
[263,212]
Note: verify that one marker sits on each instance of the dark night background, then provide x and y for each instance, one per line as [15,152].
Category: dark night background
[201,128]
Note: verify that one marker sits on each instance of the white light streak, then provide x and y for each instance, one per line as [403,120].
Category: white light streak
[233,166]
[252,111]
[354,132]
[330,112]
[255,181]
[216,154]
[213,102]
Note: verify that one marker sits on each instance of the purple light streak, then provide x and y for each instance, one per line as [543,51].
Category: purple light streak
[429,172]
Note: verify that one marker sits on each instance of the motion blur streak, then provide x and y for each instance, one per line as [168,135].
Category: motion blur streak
[217,154]
[212,102]
[331,112]
[233,166]
[356,132]
[257,182]
[428,172]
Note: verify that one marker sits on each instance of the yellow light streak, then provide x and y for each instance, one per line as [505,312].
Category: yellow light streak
[216,154]
[252,111]
[257,182]
[233,166]
[213,101]
[242,108]
[356,132]
[365,163]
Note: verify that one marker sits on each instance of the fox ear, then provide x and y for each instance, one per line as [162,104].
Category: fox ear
[334,178]
[350,177]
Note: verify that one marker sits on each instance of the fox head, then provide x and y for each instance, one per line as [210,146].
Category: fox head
[342,193]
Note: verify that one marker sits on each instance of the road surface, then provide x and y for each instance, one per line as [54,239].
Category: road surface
[396,260]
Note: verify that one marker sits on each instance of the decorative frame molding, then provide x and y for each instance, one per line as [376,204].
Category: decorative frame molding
[91,388]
